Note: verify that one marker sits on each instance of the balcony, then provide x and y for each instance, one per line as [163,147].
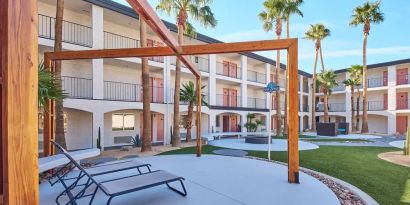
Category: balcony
[376,82]
[403,104]
[201,63]
[257,103]
[282,105]
[113,41]
[228,71]
[228,100]
[205,98]
[305,108]
[117,91]
[340,87]
[256,77]
[79,88]
[402,80]
[305,88]
[73,33]
[333,107]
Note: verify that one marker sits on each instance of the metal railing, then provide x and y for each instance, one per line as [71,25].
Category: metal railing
[257,103]
[228,72]
[201,63]
[73,33]
[118,91]
[282,105]
[403,80]
[339,87]
[333,107]
[257,77]
[80,88]
[403,104]
[205,97]
[228,100]
[372,106]
[305,108]
[112,41]
[376,82]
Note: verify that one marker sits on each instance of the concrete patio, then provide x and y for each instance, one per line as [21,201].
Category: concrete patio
[277,145]
[218,180]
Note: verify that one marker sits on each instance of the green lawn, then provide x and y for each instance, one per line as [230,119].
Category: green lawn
[387,183]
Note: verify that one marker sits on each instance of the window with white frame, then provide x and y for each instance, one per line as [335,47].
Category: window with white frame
[121,122]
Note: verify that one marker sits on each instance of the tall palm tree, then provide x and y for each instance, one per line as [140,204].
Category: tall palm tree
[367,14]
[327,81]
[146,144]
[274,12]
[291,7]
[200,11]
[356,74]
[316,33]
[351,83]
[58,39]
[189,95]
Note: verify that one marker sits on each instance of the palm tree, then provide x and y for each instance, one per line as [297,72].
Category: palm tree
[351,83]
[366,14]
[316,33]
[291,7]
[146,144]
[200,11]
[327,81]
[189,95]
[274,11]
[48,87]
[356,74]
[58,39]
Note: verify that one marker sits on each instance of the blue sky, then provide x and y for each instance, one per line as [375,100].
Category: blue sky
[237,21]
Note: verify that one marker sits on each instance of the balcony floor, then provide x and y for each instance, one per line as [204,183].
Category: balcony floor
[215,180]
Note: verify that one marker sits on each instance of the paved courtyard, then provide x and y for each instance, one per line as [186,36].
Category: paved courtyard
[219,180]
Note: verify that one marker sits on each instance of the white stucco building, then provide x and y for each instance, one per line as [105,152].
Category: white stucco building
[105,95]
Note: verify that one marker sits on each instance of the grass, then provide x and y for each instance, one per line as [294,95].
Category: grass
[387,183]
[336,140]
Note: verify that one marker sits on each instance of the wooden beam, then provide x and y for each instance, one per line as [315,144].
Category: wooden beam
[215,48]
[49,118]
[19,129]
[144,9]
[292,110]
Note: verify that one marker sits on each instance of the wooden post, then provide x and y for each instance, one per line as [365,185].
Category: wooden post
[19,122]
[292,109]
[198,117]
[49,116]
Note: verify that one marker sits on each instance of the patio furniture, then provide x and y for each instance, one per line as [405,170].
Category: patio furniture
[343,128]
[326,129]
[118,186]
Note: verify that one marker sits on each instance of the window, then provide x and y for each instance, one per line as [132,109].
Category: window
[122,122]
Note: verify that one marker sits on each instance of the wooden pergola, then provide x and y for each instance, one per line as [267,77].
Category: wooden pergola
[18,82]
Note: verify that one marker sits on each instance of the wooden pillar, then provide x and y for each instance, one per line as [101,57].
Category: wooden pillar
[292,109]
[19,119]
[198,117]
[49,117]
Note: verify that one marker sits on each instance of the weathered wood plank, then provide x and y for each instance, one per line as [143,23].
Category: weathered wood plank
[19,141]
[292,110]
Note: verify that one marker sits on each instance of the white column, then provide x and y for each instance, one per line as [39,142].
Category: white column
[243,118]
[244,83]
[310,81]
[348,104]
[98,124]
[212,80]
[212,122]
[391,88]
[301,123]
[167,79]
[391,96]
[98,43]
[268,100]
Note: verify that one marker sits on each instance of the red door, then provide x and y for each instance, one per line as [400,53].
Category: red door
[225,127]
[385,101]
[159,89]
[160,128]
[401,124]
[234,123]
[226,68]
[402,76]
[385,78]
[402,101]
[233,70]
[233,98]
[226,97]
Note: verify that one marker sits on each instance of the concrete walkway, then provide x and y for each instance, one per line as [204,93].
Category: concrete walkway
[219,180]
[399,144]
[277,145]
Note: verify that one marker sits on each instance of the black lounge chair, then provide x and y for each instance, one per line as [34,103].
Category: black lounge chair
[120,186]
